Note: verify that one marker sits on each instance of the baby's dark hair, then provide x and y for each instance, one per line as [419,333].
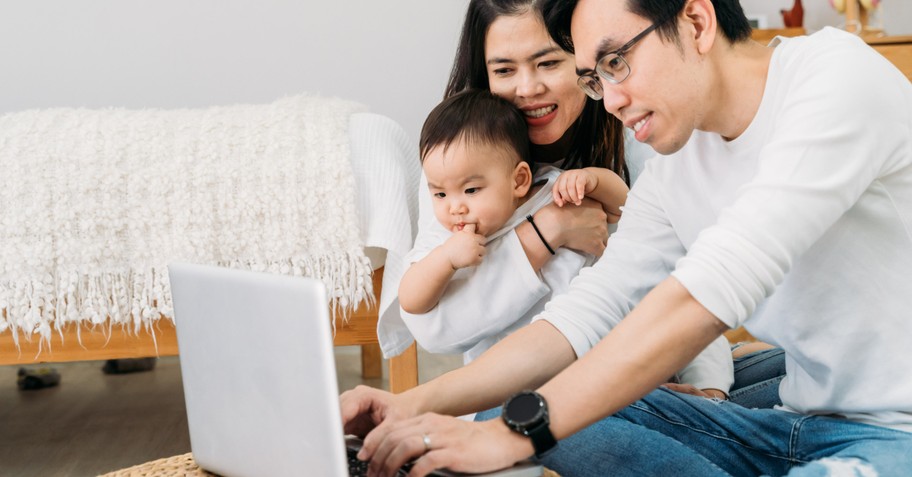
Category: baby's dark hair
[476,116]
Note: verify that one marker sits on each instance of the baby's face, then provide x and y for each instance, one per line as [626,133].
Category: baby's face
[472,184]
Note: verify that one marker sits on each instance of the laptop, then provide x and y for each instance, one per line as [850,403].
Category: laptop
[259,375]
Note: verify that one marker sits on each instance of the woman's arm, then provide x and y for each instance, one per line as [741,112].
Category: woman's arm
[583,228]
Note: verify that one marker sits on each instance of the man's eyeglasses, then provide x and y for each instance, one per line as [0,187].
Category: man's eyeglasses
[612,67]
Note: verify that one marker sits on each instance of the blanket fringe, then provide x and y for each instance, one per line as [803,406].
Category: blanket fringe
[134,299]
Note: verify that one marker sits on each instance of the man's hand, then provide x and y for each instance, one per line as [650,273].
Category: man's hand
[364,408]
[464,248]
[438,442]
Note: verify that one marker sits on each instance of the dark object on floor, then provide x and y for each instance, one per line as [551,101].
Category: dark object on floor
[37,378]
[129,365]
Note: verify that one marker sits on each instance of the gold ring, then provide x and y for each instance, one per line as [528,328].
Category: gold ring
[427,442]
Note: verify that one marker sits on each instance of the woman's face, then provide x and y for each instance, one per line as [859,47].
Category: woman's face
[527,68]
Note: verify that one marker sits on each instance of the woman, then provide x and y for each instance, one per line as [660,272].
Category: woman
[505,47]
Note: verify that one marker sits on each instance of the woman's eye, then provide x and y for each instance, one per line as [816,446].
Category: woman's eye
[549,64]
[502,71]
[472,190]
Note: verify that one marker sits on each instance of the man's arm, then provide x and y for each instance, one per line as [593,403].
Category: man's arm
[662,334]
[523,360]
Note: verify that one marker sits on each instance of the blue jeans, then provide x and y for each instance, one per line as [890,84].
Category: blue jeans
[757,377]
[669,433]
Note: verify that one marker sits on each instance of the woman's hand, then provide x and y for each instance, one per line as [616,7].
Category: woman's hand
[694,391]
[438,441]
[581,227]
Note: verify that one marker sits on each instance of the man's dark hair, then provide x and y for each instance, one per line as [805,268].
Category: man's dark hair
[476,116]
[729,15]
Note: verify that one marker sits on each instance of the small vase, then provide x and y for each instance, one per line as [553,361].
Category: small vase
[795,17]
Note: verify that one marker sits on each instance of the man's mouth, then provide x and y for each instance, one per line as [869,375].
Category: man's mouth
[641,127]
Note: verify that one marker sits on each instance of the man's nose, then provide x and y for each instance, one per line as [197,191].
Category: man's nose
[614,98]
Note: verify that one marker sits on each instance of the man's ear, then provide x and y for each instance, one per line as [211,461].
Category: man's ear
[522,179]
[700,23]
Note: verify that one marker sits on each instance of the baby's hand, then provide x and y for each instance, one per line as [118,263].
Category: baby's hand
[572,186]
[465,248]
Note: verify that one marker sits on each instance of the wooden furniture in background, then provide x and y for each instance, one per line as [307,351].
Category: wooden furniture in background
[766,35]
[897,49]
[100,344]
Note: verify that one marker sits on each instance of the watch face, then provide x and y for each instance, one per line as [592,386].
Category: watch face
[524,408]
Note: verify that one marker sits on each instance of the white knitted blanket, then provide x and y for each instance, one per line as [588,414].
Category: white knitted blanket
[95,203]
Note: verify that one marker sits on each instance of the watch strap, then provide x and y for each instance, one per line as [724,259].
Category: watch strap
[542,439]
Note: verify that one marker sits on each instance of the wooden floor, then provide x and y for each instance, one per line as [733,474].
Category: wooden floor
[93,423]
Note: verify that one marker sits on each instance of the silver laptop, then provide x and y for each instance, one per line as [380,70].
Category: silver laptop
[259,375]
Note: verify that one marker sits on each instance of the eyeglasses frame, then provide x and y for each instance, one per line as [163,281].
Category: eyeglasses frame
[620,52]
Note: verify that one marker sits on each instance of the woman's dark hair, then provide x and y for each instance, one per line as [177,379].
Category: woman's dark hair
[729,15]
[598,137]
[476,116]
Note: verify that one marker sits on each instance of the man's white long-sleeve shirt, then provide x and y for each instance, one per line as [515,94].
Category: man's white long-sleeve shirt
[800,229]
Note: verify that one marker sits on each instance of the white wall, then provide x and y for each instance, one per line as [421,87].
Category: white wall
[895,15]
[393,55]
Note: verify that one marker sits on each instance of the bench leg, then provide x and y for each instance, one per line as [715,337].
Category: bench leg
[404,370]
[371,361]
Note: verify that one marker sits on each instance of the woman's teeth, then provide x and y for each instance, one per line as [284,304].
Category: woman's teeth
[639,124]
[537,113]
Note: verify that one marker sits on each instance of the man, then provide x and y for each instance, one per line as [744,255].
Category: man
[783,202]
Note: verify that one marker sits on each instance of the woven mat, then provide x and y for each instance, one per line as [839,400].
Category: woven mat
[179,465]
[184,465]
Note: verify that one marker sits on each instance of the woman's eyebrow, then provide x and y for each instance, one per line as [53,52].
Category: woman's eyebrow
[544,51]
[534,56]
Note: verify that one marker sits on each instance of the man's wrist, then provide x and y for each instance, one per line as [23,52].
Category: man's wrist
[517,446]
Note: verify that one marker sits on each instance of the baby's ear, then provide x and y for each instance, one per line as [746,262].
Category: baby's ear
[522,179]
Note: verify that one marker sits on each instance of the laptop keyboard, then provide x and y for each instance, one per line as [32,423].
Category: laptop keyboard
[357,468]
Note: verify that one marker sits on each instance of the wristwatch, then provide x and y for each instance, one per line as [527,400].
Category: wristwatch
[526,412]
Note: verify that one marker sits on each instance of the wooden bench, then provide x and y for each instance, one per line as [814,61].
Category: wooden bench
[86,343]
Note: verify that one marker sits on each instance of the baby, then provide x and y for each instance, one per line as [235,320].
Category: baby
[475,156]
